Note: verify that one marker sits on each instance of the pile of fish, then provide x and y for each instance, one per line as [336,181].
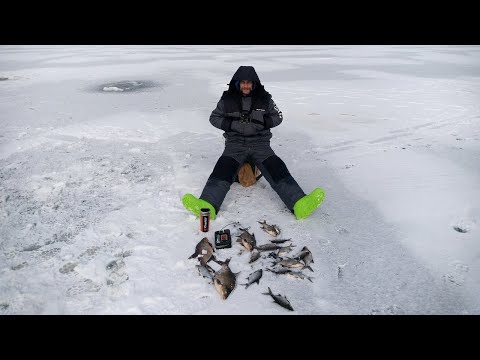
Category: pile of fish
[224,280]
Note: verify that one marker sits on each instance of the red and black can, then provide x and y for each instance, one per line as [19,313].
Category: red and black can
[204,219]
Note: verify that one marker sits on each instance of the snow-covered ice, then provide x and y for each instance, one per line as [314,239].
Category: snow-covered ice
[99,143]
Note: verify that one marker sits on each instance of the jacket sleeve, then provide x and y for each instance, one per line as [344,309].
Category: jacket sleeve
[274,116]
[218,119]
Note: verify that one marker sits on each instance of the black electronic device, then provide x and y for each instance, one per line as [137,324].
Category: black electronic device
[223,239]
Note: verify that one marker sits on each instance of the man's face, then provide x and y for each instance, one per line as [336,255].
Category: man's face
[246,86]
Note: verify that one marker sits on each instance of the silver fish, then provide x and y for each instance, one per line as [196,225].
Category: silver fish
[280,300]
[224,280]
[307,259]
[288,272]
[293,263]
[205,271]
[299,275]
[254,278]
[247,239]
[279,241]
[204,248]
[272,230]
[254,256]
[302,253]
[280,271]
[267,247]
[285,250]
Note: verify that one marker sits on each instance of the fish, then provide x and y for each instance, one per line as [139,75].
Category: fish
[205,271]
[293,263]
[307,259]
[306,256]
[254,278]
[272,230]
[285,250]
[224,279]
[280,300]
[279,271]
[279,241]
[254,256]
[299,275]
[247,240]
[302,253]
[288,272]
[268,247]
[204,248]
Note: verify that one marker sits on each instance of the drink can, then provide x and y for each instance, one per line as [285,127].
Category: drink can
[204,219]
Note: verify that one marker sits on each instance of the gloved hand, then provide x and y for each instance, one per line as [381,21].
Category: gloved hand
[235,115]
[257,115]
[226,124]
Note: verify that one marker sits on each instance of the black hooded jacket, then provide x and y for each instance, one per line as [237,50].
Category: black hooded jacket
[234,102]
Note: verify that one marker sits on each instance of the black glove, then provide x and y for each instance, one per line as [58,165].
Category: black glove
[258,116]
[229,117]
[226,124]
[235,115]
[268,121]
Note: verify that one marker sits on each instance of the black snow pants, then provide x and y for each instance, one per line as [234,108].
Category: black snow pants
[259,153]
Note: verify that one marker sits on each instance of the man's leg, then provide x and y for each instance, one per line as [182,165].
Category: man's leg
[276,173]
[215,189]
[220,180]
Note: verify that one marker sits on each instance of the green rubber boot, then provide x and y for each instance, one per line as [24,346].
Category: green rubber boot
[305,206]
[194,205]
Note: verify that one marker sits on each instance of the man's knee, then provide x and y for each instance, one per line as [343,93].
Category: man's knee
[276,168]
[225,168]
